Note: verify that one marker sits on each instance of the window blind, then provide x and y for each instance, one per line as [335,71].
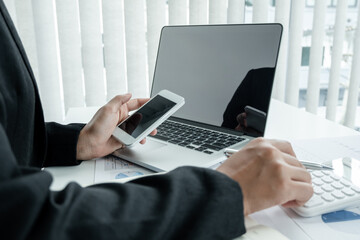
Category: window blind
[47,54]
[316,54]
[25,26]
[178,13]
[353,97]
[236,11]
[92,52]
[217,11]
[84,52]
[136,61]
[337,50]
[294,54]
[282,14]
[198,13]
[156,19]
[114,47]
[70,53]
[260,11]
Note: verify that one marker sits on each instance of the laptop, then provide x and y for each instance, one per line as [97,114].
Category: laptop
[225,73]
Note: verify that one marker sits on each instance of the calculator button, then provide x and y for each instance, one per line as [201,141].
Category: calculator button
[348,192]
[318,190]
[327,179]
[345,182]
[337,185]
[327,188]
[317,174]
[314,201]
[335,177]
[317,182]
[337,194]
[355,188]
[327,197]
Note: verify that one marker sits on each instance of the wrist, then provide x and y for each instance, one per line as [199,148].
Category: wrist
[83,147]
[245,205]
[245,202]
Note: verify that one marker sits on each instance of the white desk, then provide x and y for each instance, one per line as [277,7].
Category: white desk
[284,122]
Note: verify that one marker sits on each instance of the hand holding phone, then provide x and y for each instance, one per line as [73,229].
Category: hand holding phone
[137,126]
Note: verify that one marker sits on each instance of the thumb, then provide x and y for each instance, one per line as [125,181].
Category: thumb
[117,101]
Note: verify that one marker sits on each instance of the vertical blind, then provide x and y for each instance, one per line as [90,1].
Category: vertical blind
[84,52]
[236,11]
[282,15]
[316,51]
[217,12]
[198,13]
[354,80]
[70,53]
[294,53]
[48,56]
[339,34]
[156,19]
[114,47]
[22,9]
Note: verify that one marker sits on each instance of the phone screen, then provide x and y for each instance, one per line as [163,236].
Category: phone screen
[146,116]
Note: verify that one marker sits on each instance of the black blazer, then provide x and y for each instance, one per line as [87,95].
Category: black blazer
[187,203]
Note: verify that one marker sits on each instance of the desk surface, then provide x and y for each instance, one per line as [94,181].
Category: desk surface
[284,122]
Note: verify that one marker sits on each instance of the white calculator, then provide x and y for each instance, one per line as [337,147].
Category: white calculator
[334,190]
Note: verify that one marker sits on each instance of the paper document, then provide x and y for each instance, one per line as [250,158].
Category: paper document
[111,168]
[335,225]
[325,149]
[275,217]
[339,227]
[256,231]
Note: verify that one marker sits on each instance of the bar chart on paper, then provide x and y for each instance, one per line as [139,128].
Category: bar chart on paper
[111,168]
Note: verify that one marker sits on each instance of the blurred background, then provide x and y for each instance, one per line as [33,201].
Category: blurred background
[84,52]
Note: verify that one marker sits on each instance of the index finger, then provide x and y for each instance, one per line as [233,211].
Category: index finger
[301,192]
[134,104]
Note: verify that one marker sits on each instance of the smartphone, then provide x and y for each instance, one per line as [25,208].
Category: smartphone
[149,116]
[255,118]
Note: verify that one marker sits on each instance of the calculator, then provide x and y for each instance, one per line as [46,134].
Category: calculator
[334,190]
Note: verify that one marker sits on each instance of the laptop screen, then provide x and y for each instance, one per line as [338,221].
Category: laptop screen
[224,72]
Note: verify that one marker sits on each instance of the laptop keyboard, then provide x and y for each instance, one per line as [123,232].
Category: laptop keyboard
[196,138]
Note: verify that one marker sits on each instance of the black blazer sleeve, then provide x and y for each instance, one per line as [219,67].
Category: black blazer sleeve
[187,203]
[61,144]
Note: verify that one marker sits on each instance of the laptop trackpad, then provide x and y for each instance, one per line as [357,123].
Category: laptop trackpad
[140,153]
[139,149]
[148,146]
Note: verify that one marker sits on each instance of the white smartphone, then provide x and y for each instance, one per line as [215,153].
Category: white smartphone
[149,116]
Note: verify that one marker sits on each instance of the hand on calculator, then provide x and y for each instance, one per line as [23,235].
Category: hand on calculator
[331,193]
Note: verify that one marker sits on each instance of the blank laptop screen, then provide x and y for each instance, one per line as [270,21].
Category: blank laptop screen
[224,72]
